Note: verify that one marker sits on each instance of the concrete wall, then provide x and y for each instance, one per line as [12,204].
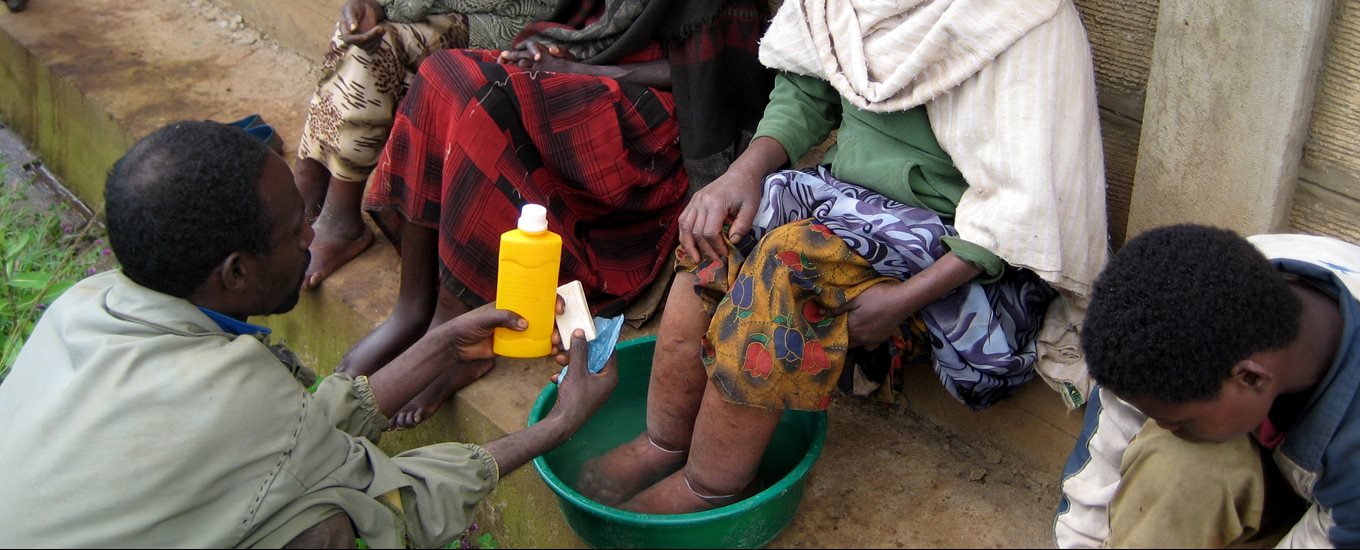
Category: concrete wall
[1327,196]
[1326,199]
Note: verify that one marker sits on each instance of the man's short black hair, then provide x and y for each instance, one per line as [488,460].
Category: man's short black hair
[1178,306]
[182,200]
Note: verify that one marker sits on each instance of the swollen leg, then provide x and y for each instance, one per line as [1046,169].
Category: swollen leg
[674,393]
[729,441]
[676,388]
[412,313]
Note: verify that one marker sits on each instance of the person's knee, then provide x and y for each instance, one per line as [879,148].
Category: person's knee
[1156,449]
[678,344]
[1184,493]
[1159,465]
[773,241]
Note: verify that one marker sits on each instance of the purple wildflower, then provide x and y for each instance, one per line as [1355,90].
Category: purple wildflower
[91,271]
[105,251]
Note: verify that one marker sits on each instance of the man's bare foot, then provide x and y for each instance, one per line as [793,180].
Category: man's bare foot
[330,251]
[423,406]
[614,477]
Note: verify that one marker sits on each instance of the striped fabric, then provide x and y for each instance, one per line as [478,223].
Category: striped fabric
[476,139]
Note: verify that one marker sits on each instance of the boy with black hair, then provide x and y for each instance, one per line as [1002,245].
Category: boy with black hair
[1212,353]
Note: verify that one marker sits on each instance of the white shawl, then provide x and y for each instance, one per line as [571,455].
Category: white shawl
[1009,88]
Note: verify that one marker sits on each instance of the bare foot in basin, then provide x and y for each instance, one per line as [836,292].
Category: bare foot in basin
[614,477]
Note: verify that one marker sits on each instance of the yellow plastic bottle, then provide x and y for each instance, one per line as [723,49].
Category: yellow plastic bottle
[526,284]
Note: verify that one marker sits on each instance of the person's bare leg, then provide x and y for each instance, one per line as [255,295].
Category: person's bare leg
[428,402]
[413,311]
[674,393]
[340,230]
[312,179]
[729,440]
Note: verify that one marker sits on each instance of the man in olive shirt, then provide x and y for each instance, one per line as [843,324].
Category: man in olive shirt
[145,410]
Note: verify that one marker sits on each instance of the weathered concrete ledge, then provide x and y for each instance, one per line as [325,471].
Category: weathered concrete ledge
[936,475]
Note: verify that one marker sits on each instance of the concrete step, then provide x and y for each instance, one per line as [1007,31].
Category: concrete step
[80,80]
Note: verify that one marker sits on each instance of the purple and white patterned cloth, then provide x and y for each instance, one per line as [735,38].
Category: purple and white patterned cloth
[983,335]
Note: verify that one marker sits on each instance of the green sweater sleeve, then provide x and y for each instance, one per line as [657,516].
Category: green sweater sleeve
[992,266]
[804,110]
[801,114]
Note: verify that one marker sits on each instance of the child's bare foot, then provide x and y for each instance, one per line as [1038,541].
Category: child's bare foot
[428,402]
[614,477]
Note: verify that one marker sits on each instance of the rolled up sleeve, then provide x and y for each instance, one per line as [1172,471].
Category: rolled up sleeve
[801,113]
[350,406]
[445,483]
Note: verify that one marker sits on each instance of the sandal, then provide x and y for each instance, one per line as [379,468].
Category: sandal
[257,128]
[266,134]
[247,122]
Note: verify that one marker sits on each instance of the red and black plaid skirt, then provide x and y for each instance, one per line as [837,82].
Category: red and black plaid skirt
[474,140]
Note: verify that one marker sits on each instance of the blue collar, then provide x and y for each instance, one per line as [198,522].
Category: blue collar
[232,325]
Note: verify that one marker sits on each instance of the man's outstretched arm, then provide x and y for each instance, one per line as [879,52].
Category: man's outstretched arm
[579,395]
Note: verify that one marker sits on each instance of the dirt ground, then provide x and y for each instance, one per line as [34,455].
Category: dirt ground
[190,59]
[891,480]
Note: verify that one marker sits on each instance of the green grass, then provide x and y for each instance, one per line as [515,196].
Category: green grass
[42,257]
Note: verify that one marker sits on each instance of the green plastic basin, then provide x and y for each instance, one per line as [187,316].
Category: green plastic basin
[751,523]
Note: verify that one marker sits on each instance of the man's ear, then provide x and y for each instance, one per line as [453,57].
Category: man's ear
[234,271]
[1252,375]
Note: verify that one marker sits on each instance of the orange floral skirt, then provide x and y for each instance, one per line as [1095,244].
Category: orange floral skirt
[767,345]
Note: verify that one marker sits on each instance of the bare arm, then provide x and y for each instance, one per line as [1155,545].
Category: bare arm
[531,55]
[655,74]
[578,397]
[881,308]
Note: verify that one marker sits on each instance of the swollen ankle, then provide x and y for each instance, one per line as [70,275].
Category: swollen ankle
[668,449]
